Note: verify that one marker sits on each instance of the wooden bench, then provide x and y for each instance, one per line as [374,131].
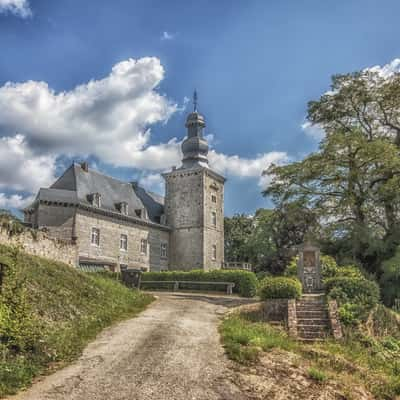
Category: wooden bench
[176,284]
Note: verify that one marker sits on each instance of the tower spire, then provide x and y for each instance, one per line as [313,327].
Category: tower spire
[195,100]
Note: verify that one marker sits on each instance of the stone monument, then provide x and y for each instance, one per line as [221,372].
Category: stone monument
[309,268]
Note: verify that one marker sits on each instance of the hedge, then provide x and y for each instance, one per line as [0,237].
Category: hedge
[245,281]
[354,290]
[280,288]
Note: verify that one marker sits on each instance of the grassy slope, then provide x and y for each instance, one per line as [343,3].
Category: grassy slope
[56,312]
[359,360]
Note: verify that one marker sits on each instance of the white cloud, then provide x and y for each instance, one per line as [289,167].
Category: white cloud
[315,131]
[153,182]
[21,169]
[20,8]
[15,201]
[108,118]
[246,167]
[167,36]
[387,70]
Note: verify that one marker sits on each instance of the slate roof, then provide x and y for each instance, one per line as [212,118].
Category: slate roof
[76,185]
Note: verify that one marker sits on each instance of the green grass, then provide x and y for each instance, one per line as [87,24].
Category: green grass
[359,359]
[50,311]
[317,375]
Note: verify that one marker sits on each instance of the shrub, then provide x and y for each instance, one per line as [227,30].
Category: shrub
[280,288]
[245,281]
[353,289]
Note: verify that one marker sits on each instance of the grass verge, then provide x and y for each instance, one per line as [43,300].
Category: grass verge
[50,311]
[359,359]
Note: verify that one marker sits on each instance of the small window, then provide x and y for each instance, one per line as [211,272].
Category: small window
[138,213]
[214,252]
[123,242]
[96,200]
[214,218]
[123,207]
[213,198]
[164,250]
[143,246]
[95,237]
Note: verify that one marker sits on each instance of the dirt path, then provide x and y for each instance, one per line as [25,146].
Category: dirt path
[170,351]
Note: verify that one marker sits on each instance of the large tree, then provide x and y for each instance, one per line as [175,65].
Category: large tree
[352,181]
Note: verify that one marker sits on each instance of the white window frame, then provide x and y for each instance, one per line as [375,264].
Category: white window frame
[164,250]
[214,252]
[143,246]
[96,200]
[123,242]
[124,208]
[95,237]
[214,218]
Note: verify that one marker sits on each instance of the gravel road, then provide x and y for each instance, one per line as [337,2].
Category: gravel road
[170,351]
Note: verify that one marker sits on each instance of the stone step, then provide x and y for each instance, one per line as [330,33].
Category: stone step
[312,335]
[311,303]
[311,314]
[312,329]
[313,321]
[310,308]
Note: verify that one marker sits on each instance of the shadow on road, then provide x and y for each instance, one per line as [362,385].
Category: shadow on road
[226,301]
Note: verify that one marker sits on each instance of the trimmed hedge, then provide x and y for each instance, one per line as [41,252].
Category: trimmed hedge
[280,288]
[353,290]
[245,281]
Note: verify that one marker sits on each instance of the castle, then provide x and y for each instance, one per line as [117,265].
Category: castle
[118,225]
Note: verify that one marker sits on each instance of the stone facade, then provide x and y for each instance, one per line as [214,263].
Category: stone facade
[109,251]
[116,224]
[194,211]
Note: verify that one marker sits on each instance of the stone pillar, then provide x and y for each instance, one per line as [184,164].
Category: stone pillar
[309,268]
[334,320]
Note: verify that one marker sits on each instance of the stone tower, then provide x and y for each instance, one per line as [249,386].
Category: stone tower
[194,204]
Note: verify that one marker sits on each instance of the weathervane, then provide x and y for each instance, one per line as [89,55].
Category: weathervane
[195,101]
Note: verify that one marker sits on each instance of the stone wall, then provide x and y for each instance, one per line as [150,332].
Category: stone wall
[184,213]
[40,244]
[213,235]
[109,250]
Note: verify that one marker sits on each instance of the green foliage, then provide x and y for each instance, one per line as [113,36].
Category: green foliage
[49,311]
[390,279]
[355,295]
[280,288]
[245,281]
[317,374]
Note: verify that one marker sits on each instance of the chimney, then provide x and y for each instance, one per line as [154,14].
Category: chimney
[85,166]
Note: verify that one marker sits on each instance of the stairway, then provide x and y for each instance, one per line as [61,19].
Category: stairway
[312,318]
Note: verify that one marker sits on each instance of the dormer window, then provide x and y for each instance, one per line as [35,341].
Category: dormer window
[95,199]
[138,213]
[123,208]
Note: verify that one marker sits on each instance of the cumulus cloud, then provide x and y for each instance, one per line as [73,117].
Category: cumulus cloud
[21,169]
[108,117]
[387,70]
[20,8]
[246,167]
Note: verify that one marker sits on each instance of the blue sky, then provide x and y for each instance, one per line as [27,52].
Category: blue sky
[255,65]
